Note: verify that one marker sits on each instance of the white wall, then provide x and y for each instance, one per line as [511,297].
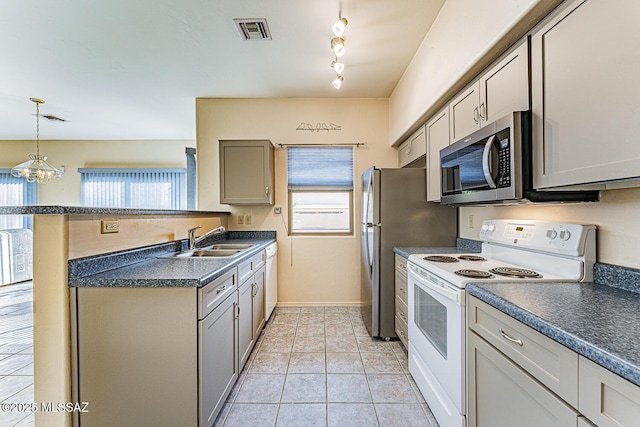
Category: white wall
[311,270]
[81,154]
[615,217]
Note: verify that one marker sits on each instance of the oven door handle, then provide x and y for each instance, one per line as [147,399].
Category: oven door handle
[487,163]
[456,295]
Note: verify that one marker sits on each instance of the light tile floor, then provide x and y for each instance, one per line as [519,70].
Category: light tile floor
[16,351]
[318,366]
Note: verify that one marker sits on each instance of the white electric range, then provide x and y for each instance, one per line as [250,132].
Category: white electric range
[512,251]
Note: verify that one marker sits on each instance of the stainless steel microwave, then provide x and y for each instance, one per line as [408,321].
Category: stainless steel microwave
[495,165]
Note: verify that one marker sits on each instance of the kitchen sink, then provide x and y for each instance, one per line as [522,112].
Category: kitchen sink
[198,253]
[229,246]
[220,250]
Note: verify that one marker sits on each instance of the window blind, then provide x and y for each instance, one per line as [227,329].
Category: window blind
[144,188]
[16,191]
[324,167]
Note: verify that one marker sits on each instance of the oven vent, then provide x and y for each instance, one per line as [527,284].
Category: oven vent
[253,29]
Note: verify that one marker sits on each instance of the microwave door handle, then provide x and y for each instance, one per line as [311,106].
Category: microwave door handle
[486,162]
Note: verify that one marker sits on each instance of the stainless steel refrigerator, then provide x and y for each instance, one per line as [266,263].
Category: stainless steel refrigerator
[395,213]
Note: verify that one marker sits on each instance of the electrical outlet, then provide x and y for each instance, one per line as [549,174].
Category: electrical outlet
[247,219]
[109,226]
[240,219]
[470,220]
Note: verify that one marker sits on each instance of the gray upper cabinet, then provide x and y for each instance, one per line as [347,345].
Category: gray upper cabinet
[246,172]
[585,93]
[414,148]
[501,89]
[437,130]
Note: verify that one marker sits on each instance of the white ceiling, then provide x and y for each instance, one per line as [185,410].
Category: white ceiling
[131,69]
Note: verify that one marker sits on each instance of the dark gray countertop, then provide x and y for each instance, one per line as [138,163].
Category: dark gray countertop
[599,322]
[462,246]
[406,251]
[156,270]
[80,210]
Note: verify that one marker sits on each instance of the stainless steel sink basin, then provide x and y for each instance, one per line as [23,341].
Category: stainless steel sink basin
[220,250]
[229,246]
[219,253]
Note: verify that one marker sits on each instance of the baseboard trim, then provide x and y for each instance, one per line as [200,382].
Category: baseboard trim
[319,304]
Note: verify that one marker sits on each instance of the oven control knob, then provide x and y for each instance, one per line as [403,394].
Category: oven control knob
[552,234]
[492,228]
[565,235]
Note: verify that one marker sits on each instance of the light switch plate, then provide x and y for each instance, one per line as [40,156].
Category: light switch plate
[247,220]
[240,219]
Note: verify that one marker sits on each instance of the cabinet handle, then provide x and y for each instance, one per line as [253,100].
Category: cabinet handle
[236,309]
[476,115]
[266,191]
[221,289]
[507,337]
[483,112]
[409,150]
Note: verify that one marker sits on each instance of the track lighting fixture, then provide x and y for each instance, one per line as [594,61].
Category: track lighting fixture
[339,49]
[339,27]
[337,82]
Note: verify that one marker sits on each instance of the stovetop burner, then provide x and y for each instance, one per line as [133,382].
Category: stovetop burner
[472,258]
[474,274]
[520,273]
[440,258]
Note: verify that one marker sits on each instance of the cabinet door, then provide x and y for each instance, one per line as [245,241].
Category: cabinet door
[437,130]
[403,154]
[246,172]
[464,112]
[504,88]
[245,322]
[217,358]
[258,302]
[585,93]
[606,398]
[502,395]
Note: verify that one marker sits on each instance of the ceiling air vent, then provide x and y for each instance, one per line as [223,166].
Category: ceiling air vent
[53,118]
[253,29]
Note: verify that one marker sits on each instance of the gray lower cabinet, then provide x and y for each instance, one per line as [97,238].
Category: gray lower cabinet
[502,394]
[402,310]
[245,321]
[518,376]
[217,358]
[251,305]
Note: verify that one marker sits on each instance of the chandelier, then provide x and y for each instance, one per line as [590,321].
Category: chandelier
[36,169]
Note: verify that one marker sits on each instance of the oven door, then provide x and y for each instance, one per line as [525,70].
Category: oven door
[436,343]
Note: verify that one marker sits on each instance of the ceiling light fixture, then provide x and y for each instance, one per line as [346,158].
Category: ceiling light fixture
[339,49]
[339,27]
[337,66]
[337,82]
[36,169]
[337,44]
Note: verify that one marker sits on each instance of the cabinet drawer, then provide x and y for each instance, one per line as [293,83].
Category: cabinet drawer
[401,287]
[244,270]
[401,330]
[551,363]
[401,264]
[258,260]
[402,311]
[215,292]
[606,398]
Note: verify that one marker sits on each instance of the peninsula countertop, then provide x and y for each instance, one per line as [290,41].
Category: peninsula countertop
[597,321]
[151,267]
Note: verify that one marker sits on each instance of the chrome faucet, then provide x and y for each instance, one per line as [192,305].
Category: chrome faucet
[193,240]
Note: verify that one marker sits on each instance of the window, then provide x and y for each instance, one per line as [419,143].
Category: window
[133,188]
[16,191]
[320,190]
